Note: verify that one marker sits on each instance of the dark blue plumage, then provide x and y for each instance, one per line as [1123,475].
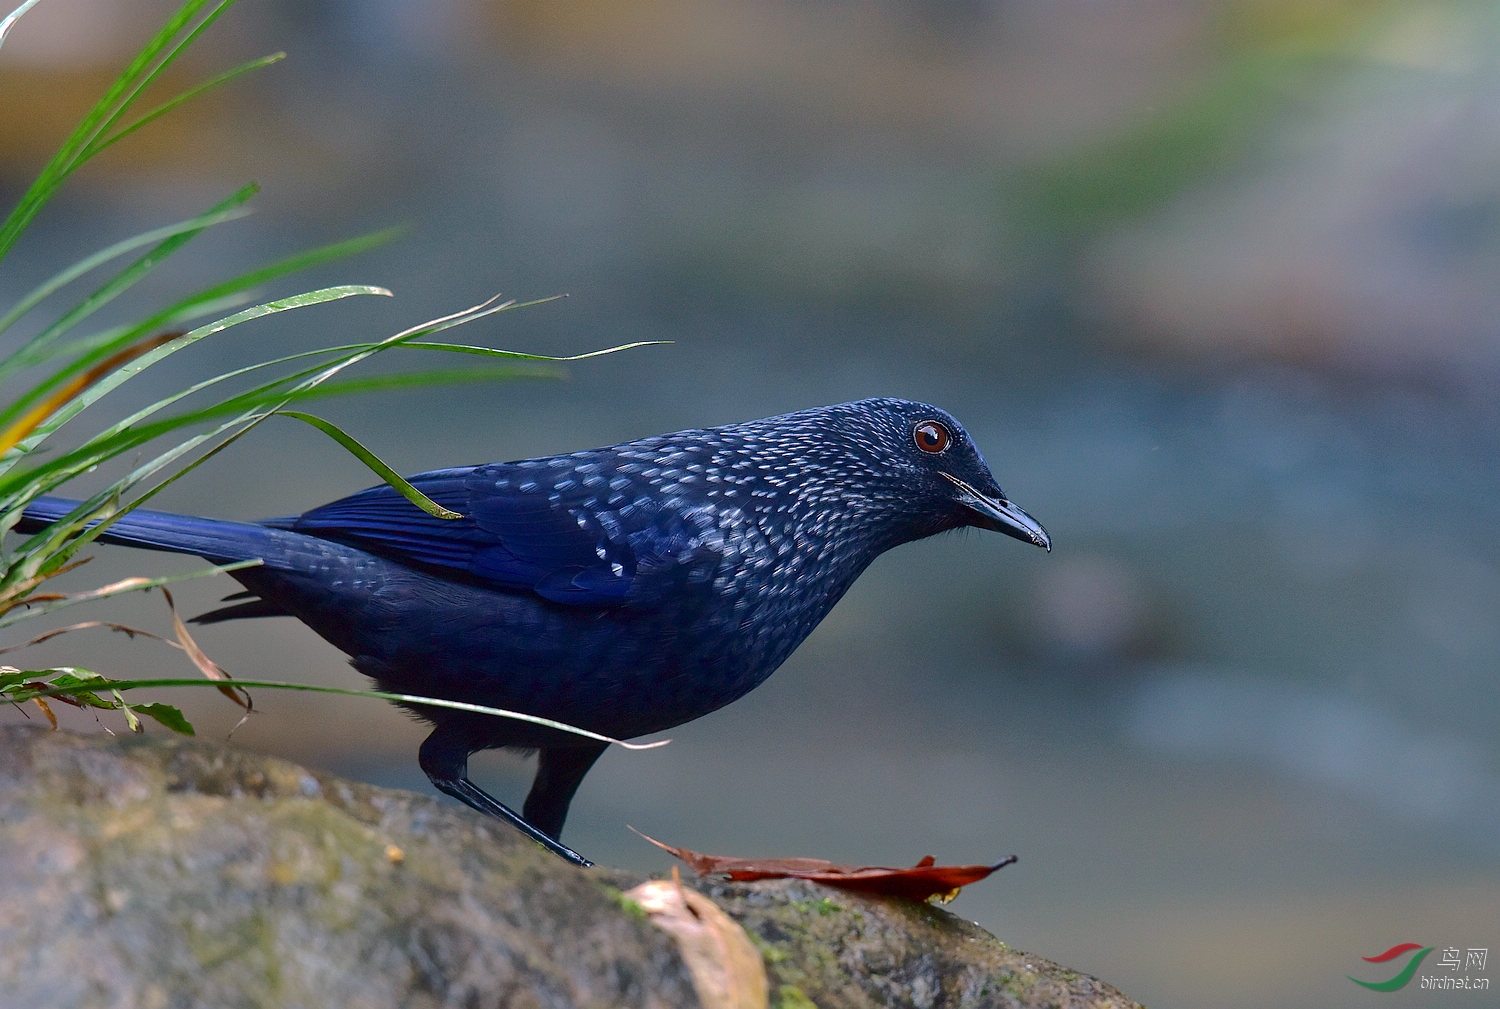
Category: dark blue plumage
[624,589]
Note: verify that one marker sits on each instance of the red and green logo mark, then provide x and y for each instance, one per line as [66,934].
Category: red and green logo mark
[1402,976]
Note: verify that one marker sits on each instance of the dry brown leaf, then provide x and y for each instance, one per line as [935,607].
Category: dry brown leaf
[924,881]
[725,966]
[207,666]
[41,702]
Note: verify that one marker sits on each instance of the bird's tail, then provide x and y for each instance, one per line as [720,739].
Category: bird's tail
[212,539]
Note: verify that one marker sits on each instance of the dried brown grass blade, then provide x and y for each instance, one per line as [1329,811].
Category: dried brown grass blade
[125,629]
[207,666]
[33,418]
[41,702]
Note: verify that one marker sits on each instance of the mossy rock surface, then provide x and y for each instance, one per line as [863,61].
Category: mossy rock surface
[842,950]
[151,871]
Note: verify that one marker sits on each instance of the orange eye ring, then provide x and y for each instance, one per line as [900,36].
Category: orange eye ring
[932,436]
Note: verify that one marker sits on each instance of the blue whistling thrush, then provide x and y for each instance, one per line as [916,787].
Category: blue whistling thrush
[624,590]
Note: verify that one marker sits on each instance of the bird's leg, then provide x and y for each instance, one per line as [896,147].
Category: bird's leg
[444,756]
[559,771]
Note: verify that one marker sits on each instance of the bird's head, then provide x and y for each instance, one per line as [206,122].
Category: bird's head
[929,463]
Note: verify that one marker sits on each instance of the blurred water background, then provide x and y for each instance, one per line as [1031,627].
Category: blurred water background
[1212,282]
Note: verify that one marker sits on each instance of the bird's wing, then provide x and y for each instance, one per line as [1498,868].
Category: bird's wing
[521,533]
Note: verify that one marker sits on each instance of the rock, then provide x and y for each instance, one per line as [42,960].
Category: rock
[149,871]
[840,950]
[143,871]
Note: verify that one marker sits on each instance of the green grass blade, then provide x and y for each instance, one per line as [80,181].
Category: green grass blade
[10,19]
[104,386]
[461,348]
[20,694]
[281,267]
[151,72]
[251,406]
[81,402]
[159,54]
[106,293]
[254,405]
[266,308]
[258,403]
[462,317]
[186,96]
[303,389]
[27,354]
[261,401]
[67,158]
[380,468]
[159,320]
[412,380]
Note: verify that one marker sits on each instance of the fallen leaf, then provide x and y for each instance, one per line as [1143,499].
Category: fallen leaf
[726,968]
[924,881]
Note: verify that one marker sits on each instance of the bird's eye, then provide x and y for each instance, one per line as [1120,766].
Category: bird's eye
[932,436]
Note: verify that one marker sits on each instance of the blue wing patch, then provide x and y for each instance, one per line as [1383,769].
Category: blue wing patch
[561,546]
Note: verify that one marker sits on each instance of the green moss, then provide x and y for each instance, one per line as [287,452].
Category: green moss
[822,907]
[789,996]
[627,903]
[769,951]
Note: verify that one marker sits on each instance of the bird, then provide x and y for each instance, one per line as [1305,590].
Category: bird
[624,590]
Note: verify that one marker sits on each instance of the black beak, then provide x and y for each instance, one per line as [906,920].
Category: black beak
[1000,515]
